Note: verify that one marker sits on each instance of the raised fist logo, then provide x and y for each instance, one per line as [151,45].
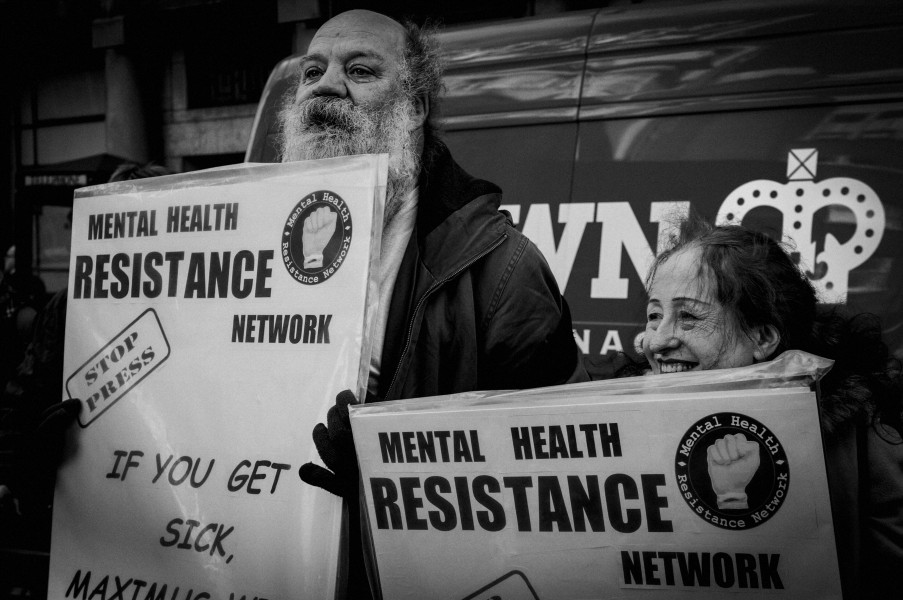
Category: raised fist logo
[319,228]
[798,200]
[728,480]
[732,462]
[316,237]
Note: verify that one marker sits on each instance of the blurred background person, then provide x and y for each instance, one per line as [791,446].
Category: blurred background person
[20,300]
[33,419]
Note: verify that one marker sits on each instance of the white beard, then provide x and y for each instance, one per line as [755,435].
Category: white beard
[327,127]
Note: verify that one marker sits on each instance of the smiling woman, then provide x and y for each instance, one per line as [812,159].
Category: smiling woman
[729,296]
[689,328]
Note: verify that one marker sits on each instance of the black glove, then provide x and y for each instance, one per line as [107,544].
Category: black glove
[336,448]
[51,432]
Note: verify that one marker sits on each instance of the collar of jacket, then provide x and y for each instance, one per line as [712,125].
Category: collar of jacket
[458,216]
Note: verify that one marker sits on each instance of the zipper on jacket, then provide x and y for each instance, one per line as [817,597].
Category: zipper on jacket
[429,293]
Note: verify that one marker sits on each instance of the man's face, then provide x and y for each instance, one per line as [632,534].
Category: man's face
[350,98]
[358,56]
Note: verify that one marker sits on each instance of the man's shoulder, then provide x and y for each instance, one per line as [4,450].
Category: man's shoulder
[516,258]
[527,248]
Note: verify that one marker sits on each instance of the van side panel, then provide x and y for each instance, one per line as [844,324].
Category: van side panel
[524,72]
[679,108]
[543,151]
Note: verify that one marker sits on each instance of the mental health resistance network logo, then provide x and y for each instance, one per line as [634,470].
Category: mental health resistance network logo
[316,237]
[732,471]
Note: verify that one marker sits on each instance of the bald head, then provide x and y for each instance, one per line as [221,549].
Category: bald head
[364,26]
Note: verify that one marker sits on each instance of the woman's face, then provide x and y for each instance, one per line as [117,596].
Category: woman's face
[686,327]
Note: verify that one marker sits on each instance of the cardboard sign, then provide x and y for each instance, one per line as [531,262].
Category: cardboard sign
[574,493]
[212,318]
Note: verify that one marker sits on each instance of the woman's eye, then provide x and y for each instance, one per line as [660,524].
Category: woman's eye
[653,316]
[688,320]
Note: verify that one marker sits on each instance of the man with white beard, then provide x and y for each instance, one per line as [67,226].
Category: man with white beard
[466,302]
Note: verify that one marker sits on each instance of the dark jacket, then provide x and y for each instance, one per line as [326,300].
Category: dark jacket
[865,477]
[475,305]
[25,451]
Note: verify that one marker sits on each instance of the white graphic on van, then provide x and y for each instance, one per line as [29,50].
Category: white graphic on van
[799,200]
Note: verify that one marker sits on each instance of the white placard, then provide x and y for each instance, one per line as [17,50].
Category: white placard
[212,318]
[574,493]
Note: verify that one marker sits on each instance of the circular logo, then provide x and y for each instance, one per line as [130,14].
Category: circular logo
[732,471]
[316,237]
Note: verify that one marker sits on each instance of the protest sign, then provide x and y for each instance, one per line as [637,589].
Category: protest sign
[212,318]
[571,492]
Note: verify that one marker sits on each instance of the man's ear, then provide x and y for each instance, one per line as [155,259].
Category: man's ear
[421,106]
[766,339]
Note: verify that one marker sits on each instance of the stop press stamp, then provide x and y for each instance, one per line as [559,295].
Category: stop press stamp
[114,370]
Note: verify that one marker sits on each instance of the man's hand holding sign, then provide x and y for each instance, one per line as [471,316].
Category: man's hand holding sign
[335,445]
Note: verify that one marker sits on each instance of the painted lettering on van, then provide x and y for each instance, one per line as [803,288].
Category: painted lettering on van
[620,230]
[611,343]
[827,265]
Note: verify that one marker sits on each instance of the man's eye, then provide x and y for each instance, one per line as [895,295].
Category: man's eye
[358,71]
[312,73]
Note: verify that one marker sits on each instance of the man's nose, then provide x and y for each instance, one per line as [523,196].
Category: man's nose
[661,338]
[331,84]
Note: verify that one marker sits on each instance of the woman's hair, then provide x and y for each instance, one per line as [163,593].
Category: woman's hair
[758,284]
[754,279]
